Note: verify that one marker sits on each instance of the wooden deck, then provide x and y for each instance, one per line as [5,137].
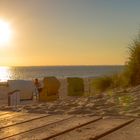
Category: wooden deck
[25,126]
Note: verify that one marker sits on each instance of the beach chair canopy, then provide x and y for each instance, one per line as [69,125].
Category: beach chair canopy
[50,90]
[26,88]
[75,86]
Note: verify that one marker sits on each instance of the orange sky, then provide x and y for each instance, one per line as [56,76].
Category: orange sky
[72,32]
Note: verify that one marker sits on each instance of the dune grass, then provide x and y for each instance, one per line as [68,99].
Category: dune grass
[133,64]
[101,84]
[129,77]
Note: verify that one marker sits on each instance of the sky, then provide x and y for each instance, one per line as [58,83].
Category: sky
[69,32]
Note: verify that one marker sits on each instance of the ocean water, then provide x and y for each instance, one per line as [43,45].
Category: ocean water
[29,73]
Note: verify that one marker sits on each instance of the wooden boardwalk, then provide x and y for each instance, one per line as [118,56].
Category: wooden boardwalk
[25,126]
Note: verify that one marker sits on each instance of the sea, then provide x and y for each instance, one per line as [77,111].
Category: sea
[32,72]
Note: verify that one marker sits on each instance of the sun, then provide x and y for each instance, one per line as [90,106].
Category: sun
[5,32]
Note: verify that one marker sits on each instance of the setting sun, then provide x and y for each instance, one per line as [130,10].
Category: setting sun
[5,32]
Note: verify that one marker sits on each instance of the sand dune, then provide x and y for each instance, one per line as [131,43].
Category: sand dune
[123,102]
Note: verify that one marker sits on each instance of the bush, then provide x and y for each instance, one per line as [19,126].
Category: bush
[75,86]
[115,81]
[119,80]
[133,65]
[102,84]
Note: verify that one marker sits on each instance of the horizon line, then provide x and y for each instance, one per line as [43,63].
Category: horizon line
[63,65]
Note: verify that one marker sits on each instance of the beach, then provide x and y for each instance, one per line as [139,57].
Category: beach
[121,102]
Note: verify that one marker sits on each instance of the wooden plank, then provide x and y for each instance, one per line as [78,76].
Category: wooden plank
[6,115]
[4,112]
[94,130]
[10,115]
[129,132]
[56,128]
[19,118]
[30,125]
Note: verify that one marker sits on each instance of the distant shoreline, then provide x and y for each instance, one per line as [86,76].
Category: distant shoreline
[65,66]
[30,73]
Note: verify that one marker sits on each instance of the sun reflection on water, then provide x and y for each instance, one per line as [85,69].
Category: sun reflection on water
[4,74]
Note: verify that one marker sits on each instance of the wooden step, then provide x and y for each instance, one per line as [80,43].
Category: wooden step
[55,129]
[129,132]
[11,115]
[94,130]
[30,125]
[19,118]
[4,112]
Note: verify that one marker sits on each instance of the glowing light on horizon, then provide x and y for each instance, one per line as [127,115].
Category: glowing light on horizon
[4,74]
[5,33]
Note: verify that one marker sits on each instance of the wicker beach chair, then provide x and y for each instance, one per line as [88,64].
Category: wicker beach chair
[25,87]
[75,86]
[50,91]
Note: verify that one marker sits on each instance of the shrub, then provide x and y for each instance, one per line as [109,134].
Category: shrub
[119,80]
[101,84]
[133,65]
[115,81]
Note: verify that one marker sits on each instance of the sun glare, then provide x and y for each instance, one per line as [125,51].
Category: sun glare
[5,32]
[4,74]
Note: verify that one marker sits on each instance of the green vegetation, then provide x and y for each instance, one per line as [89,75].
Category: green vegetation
[129,77]
[119,80]
[125,101]
[133,64]
[102,83]
[75,86]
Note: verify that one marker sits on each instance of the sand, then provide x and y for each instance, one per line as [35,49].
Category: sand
[119,102]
